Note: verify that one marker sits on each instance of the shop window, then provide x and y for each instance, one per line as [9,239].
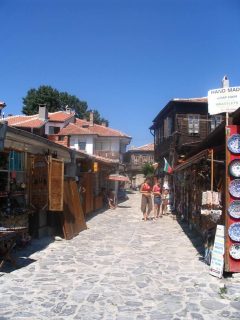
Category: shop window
[215,121]
[53,130]
[193,124]
[136,159]
[16,161]
[82,145]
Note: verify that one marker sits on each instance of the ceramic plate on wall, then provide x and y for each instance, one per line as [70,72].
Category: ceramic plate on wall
[234,209]
[234,143]
[234,251]
[234,231]
[234,168]
[234,188]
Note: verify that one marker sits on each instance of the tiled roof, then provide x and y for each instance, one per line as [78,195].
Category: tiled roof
[146,147]
[202,99]
[25,121]
[84,127]
[60,116]
[33,121]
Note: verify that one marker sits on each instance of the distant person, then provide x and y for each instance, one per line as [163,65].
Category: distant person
[104,196]
[82,191]
[146,203]
[157,200]
[112,199]
[165,201]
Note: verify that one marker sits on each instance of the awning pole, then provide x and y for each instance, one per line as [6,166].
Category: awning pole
[212,168]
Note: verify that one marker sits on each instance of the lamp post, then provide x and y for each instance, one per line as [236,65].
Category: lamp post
[2,106]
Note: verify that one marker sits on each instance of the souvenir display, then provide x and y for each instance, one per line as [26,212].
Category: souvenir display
[234,251]
[234,188]
[234,168]
[234,231]
[234,143]
[215,215]
[234,209]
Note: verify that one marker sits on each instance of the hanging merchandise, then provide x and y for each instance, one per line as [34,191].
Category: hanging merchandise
[234,188]
[235,251]
[234,209]
[232,199]
[234,168]
[234,231]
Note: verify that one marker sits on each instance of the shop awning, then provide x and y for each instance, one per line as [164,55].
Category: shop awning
[195,159]
[118,177]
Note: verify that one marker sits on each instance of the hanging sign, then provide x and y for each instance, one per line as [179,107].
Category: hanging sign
[223,100]
[95,166]
[3,130]
[217,261]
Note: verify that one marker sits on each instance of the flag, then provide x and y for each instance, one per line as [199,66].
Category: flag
[167,167]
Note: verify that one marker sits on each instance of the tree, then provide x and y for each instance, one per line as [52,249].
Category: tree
[56,101]
[43,95]
[80,107]
[97,118]
[148,169]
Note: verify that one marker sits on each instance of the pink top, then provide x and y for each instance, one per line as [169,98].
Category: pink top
[146,188]
[156,188]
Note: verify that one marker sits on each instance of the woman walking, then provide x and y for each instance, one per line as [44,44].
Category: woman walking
[146,204]
[157,200]
[165,201]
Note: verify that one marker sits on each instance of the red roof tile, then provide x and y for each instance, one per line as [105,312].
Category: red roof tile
[146,147]
[60,116]
[83,127]
[25,121]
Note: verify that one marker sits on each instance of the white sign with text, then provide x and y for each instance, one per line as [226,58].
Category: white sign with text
[217,261]
[223,100]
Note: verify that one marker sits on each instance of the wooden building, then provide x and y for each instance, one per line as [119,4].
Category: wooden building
[134,159]
[178,128]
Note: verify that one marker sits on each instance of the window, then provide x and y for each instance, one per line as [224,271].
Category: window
[193,124]
[168,124]
[136,159]
[53,130]
[82,145]
[16,161]
[215,121]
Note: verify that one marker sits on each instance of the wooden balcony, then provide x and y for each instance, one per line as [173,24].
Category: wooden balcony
[107,154]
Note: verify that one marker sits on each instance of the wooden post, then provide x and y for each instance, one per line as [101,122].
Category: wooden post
[212,170]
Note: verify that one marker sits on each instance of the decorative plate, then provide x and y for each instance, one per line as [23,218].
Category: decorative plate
[234,231]
[234,188]
[234,251]
[234,168]
[234,209]
[234,143]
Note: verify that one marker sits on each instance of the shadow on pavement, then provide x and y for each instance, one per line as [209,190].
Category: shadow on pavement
[124,207]
[193,236]
[22,255]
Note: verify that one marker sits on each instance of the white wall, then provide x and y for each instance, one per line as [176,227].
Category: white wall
[53,124]
[57,124]
[108,144]
[88,139]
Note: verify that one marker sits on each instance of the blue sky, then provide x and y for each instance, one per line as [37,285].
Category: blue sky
[126,58]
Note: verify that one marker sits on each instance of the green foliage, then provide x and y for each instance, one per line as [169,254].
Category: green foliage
[56,101]
[148,170]
[43,95]
[97,117]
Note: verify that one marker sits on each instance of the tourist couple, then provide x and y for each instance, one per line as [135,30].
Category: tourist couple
[160,200]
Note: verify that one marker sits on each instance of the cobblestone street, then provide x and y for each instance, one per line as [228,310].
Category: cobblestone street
[120,268]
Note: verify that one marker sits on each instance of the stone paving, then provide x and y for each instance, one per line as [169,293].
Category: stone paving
[120,268]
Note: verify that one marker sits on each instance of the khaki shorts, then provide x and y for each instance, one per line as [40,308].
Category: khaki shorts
[146,205]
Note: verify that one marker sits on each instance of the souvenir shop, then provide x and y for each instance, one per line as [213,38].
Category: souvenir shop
[207,192]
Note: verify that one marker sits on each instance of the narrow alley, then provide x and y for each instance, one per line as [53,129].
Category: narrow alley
[120,268]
